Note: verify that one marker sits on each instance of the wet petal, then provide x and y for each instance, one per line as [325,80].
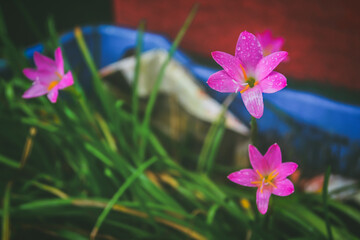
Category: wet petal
[283,188]
[222,82]
[244,177]
[248,50]
[59,61]
[44,63]
[262,199]
[268,64]
[230,64]
[273,83]
[273,157]
[253,101]
[66,81]
[53,94]
[35,90]
[286,169]
[257,160]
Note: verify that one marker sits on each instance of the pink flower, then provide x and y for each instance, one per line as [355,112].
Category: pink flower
[269,43]
[268,175]
[248,72]
[49,76]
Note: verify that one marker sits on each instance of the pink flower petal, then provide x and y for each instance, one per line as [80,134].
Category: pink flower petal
[265,37]
[267,64]
[273,83]
[248,50]
[59,61]
[257,160]
[277,44]
[273,157]
[35,90]
[42,76]
[66,81]
[31,74]
[44,63]
[230,64]
[222,82]
[262,199]
[268,43]
[244,177]
[283,188]
[53,94]
[286,169]
[253,101]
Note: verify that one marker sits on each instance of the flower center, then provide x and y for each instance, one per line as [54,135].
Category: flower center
[52,85]
[267,180]
[250,82]
[55,82]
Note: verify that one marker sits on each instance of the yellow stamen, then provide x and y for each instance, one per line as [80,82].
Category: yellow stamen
[265,180]
[271,176]
[261,176]
[246,88]
[262,186]
[59,75]
[272,184]
[244,73]
[256,182]
[52,85]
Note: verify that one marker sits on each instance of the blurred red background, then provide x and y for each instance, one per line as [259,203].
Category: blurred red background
[322,37]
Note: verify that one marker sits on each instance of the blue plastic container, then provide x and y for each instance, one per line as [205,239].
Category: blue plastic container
[316,130]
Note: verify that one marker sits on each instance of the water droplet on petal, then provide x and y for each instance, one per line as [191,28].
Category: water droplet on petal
[243,37]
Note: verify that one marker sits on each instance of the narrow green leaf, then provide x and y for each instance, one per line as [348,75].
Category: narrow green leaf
[9,162]
[325,202]
[118,194]
[155,90]
[139,46]
[6,213]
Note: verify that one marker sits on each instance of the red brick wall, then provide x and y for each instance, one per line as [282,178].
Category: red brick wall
[322,36]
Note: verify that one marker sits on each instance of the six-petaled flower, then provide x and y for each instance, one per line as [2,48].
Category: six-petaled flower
[269,175]
[248,72]
[49,76]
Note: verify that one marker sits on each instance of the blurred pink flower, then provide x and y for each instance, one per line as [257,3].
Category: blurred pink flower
[268,175]
[269,43]
[248,72]
[49,76]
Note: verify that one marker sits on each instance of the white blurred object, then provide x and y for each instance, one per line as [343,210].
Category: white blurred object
[177,82]
[338,187]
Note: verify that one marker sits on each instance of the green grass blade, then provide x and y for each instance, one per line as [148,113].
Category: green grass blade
[139,47]
[155,90]
[325,202]
[118,194]
[213,138]
[9,162]
[98,85]
[6,213]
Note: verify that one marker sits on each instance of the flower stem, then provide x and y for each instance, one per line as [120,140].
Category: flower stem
[254,130]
